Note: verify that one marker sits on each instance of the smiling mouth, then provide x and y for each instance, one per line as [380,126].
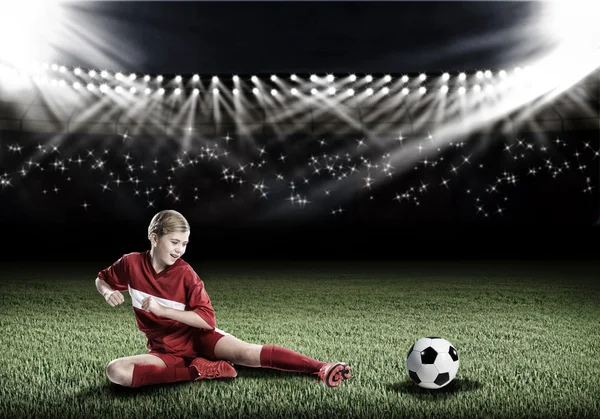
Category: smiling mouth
[174,256]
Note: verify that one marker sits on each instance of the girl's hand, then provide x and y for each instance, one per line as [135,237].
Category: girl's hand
[150,305]
[114,298]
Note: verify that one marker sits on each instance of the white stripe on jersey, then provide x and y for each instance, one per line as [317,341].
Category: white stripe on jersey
[138,296]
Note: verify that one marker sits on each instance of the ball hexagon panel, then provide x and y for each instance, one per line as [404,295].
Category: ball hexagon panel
[430,386]
[413,362]
[440,345]
[427,373]
[454,370]
[443,362]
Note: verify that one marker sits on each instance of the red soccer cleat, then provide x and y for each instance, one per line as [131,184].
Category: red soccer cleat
[208,369]
[334,373]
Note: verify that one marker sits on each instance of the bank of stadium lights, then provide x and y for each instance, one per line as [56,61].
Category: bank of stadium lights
[482,80]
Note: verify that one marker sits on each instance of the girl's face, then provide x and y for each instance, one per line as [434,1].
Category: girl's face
[170,247]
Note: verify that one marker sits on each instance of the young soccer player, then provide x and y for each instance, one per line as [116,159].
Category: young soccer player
[173,309]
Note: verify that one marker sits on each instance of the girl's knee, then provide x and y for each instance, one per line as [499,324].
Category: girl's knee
[118,372]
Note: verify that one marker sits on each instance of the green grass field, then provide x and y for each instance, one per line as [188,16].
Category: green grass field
[528,339]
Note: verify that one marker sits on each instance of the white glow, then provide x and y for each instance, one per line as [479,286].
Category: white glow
[574,23]
[27,30]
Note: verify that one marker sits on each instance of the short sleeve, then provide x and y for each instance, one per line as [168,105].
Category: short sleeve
[116,274]
[199,301]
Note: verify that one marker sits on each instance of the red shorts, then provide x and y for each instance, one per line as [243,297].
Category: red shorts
[182,350]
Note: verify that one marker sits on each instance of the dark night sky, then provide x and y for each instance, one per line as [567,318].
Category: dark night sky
[262,37]
[304,37]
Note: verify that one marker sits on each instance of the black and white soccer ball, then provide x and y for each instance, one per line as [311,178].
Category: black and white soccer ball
[432,362]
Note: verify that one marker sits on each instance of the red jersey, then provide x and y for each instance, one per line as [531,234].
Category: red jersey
[177,286]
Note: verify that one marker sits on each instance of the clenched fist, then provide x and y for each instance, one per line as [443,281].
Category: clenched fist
[150,305]
[114,298]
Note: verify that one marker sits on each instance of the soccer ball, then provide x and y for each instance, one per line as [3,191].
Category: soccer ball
[432,362]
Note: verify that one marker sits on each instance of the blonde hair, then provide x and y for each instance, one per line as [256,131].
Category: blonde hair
[168,221]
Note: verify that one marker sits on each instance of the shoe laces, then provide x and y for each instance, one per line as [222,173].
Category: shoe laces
[209,369]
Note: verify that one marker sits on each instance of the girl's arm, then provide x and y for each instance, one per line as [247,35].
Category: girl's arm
[189,317]
[112,297]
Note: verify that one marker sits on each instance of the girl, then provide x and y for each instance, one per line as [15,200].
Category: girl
[174,311]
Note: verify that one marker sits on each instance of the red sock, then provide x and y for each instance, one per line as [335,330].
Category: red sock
[147,374]
[284,359]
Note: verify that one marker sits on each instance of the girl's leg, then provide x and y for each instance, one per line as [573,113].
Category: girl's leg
[147,369]
[234,350]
